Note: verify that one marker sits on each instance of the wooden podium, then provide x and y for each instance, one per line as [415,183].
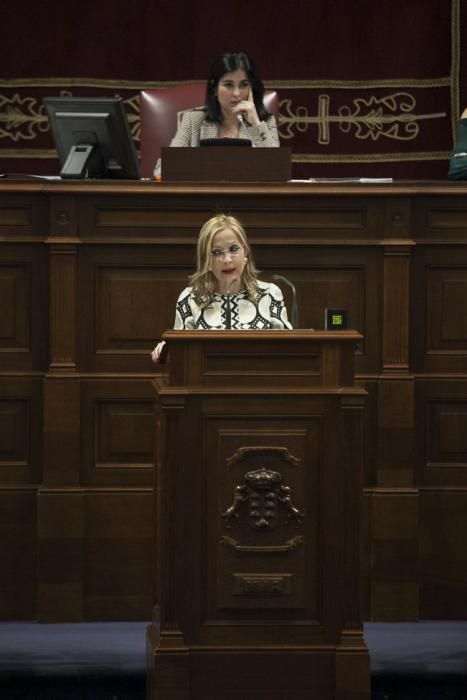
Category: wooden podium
[259,492]
[226,164]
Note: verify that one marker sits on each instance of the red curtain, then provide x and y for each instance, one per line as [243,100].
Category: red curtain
[367,88]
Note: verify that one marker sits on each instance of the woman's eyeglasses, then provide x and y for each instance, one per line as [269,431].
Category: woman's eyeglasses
[232,251]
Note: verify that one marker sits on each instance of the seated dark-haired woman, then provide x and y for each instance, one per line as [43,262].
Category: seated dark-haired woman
[458,162]
[234,108]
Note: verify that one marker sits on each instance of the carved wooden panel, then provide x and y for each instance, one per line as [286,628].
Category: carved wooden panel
[440,321]
[144,218]
[118,433]
[109,218]
[443,564]
[447,296]
[131,299]
[23,216]
[437,219]
[15,291]
[131,302]
[254,476]
[441,433]
[263,497]
[21,426]
[447,431]
[23,304]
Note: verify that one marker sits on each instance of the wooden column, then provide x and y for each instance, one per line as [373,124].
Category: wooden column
[61,501]
[393,513]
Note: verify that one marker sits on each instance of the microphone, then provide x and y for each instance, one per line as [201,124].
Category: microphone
[294,319]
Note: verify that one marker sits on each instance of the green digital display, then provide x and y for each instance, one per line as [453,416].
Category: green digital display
[335,319]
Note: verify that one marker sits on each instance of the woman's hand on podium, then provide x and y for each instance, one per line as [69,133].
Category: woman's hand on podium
[159,353]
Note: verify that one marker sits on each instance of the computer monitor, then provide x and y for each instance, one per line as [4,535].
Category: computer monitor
[92,137]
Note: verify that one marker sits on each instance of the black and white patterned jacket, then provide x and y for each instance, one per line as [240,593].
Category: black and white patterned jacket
[233,311]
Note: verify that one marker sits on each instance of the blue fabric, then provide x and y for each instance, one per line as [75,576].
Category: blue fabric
[107,660]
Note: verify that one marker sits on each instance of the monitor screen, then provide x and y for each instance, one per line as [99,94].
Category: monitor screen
[92,137]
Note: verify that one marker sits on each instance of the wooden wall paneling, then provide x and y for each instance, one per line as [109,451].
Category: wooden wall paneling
[148,216]
[60,507]
[18,552]
[169,494]
[439,218]
[23,212]
[327,277]
[21,426]
[443,273]
[442,477]
[440,358]
[23,304]
[63,307]
[395,428]
[23,354]
[394,589]
[443,564]
[89,273]
[61,537]
[21,449]
[118,554]
[129,294]
[394,556]
[442,432]
[117,433]
[396,309]
[60,499]
[351,486]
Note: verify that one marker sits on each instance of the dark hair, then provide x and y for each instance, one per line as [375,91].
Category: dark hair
[227,63]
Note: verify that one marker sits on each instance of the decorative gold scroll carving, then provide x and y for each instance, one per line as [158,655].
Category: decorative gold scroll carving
[392,117]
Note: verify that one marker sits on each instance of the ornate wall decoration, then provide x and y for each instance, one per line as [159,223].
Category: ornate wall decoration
[393,116]
[21,118]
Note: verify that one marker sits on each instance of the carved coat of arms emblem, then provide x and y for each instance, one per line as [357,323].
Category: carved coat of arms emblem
[263,493]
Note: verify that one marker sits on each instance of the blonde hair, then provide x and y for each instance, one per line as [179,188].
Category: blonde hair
[203,280]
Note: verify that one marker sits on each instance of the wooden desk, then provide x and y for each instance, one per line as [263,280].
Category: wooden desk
[89,273]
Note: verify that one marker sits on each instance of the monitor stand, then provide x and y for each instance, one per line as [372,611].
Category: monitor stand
[83,161]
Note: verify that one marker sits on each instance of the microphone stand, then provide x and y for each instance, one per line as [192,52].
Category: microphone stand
[294,314]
